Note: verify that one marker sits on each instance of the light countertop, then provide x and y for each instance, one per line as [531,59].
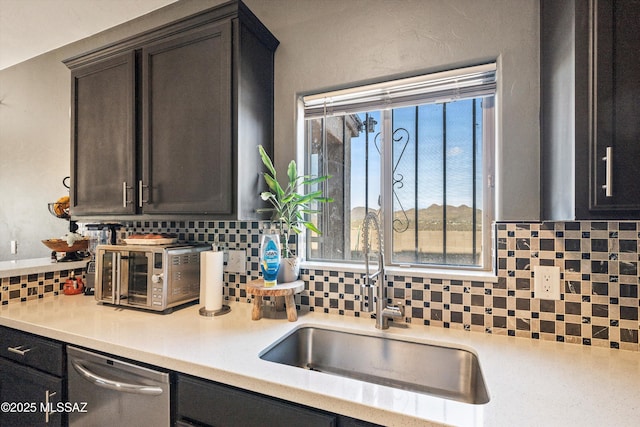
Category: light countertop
[531,383]
[22,267]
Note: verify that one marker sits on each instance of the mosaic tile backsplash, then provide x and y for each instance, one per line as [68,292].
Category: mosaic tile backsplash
[598,261]
[33,286]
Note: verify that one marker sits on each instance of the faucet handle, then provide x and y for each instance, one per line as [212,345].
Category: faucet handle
[390,312]
[395,310]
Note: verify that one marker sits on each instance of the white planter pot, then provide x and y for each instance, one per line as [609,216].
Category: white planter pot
[289,270]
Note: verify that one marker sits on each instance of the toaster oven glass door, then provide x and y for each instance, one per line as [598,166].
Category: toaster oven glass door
[135,288]
[126,277]
[106,289]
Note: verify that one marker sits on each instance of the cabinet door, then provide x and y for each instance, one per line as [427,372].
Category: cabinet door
[187,159]
[32,350]
[208,403]
[103,137]
[616,121]
[29,395]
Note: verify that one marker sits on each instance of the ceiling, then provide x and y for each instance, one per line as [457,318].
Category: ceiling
[29,28]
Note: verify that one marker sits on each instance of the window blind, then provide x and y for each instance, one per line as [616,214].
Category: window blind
[475,81]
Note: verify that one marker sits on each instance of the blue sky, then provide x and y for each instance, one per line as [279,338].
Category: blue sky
[430,168]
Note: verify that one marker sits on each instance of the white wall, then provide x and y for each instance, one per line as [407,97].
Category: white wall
[325,44]
[333,43]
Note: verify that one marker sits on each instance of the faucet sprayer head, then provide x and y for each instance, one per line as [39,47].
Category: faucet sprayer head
[371,217]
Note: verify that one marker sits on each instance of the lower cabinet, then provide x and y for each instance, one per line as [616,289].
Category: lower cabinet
[29,397]
[32,380]
[206,403]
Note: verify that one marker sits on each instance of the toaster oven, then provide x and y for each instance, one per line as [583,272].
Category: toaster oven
[151,277]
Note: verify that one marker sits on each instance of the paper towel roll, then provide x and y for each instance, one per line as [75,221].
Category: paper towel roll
[211,279]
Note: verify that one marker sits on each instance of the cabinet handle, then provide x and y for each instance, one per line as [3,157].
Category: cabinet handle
[19,350]
[141,188]
[125,199]
[48,394]
[608,183]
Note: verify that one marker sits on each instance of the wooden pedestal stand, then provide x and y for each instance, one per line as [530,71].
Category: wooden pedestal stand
[286,290]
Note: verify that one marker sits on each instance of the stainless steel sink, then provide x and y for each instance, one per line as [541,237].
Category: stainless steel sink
[446,372]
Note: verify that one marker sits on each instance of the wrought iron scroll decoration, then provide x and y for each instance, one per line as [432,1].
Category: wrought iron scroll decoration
[400,137]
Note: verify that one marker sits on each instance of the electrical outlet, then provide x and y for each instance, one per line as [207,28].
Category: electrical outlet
[546,282]
[14,247]
[237,261]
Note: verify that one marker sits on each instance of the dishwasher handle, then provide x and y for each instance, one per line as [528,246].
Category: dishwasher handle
[115,385]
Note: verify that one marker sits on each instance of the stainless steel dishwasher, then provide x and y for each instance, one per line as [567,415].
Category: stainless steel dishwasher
[116,392]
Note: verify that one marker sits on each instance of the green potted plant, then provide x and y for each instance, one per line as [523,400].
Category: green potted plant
[290,205]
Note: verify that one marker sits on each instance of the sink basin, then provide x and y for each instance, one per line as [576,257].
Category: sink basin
[440,371]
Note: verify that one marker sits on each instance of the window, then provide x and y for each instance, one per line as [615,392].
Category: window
[419,153]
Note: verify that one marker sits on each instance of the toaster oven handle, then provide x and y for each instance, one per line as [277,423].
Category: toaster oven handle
[118,278]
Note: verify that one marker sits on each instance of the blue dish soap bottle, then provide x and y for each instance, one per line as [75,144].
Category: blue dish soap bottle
[270,257]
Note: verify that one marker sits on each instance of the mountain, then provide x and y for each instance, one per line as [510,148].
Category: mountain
[458,217]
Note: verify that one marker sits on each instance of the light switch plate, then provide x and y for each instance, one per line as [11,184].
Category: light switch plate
[546,282]
[236,261]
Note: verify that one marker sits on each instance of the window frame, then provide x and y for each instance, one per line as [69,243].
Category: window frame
[488,199]
[489,128]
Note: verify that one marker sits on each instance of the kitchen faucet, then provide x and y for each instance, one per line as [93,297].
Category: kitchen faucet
[384,312]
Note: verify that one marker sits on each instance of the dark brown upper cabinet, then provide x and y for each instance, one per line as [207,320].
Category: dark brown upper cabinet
[168,122]
[103,145]
[590,135]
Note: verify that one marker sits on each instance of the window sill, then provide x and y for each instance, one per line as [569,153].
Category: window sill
[430,273]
